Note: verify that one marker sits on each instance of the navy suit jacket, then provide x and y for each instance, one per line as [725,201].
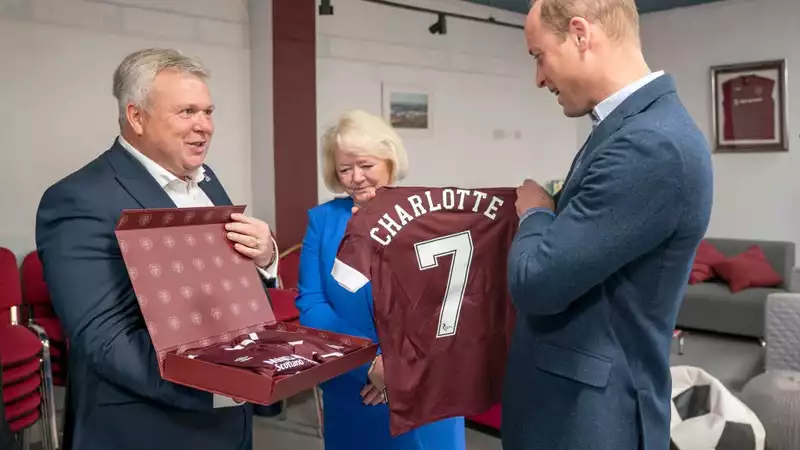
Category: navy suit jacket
[598,285]
[117,398]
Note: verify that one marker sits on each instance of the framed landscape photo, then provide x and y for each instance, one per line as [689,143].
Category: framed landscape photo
[749,107]
[408,109]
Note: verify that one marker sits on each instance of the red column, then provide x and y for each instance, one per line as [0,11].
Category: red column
[294,117]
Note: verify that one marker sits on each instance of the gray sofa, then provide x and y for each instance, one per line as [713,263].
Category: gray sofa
[725,330]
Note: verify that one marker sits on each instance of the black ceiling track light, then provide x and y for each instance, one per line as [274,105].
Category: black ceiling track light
[325,8]
[440,27]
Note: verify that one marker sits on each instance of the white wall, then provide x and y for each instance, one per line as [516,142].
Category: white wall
[55,87]
[262,136]
[492,127]
[757,195]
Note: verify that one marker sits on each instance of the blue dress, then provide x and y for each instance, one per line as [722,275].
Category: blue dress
[323,304]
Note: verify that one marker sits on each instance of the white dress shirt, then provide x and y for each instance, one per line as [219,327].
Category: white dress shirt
[607,106]
[187,193]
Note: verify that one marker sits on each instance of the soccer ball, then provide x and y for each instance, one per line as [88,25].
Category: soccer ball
[706,416]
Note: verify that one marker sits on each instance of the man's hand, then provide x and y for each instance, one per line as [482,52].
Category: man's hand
[252,238]
[361,199]
[531,195]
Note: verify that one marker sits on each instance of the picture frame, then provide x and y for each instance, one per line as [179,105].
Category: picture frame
[408,108]
[748,107]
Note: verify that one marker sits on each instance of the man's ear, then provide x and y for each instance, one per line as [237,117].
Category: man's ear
[579,32]
[135,118]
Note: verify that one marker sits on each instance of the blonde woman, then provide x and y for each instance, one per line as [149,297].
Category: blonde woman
[360,154]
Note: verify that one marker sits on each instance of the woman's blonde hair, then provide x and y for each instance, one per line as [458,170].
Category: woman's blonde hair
[362,134]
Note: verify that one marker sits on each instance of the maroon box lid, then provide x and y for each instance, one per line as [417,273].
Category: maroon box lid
[190,282]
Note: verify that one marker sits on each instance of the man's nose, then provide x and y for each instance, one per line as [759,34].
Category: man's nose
[203,124]
[540,80]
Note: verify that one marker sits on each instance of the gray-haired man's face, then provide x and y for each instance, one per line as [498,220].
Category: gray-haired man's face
[176,126]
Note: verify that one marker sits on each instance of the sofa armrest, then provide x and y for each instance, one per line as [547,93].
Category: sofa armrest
[782,331]
[794,284]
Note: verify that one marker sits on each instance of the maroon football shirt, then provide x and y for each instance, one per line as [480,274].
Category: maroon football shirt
[312,347]
[749,108]
[266,358]
[437,261]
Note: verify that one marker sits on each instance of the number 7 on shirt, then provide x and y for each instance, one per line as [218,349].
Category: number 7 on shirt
[428,253]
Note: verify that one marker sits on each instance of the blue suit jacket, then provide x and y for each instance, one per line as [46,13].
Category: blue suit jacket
[117,398]
[598,286]
[324,304]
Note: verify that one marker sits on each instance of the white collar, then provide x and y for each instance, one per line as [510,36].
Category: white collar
[162,175]
[604,108]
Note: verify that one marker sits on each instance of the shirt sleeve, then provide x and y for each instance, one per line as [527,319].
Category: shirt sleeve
[271,272]
[352,263]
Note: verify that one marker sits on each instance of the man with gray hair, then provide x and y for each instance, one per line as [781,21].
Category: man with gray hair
[117,398]
[597,272]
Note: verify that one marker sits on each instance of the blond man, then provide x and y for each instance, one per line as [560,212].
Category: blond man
[598,271]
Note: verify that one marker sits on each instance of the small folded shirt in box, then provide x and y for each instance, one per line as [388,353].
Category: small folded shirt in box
[199,297]
[265,358]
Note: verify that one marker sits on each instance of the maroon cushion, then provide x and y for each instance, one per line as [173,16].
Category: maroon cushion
[24,422]
[748,269]
[22,389]
[283,304]
[18,345]
[18,410]
[706,258]
[20,372]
